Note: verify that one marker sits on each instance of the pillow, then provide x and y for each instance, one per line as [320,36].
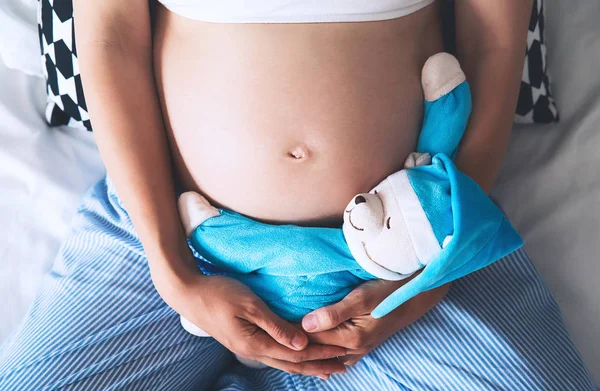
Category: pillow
[66,101]
[536,103]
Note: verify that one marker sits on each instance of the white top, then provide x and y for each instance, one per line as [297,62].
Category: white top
[293,11]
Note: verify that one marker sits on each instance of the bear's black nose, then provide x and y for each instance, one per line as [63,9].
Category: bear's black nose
[359,200]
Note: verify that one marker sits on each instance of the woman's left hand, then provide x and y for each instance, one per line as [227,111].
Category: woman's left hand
[349,324]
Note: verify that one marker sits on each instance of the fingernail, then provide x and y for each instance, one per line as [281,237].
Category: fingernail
[298,341]
[309,323]
[323,377]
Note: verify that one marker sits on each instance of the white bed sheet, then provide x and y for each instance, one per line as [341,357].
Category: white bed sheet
[43,173]
[549,186]
[19,48]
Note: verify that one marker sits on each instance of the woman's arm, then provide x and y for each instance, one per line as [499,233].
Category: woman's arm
[115,53]
[114,45]
[491,38]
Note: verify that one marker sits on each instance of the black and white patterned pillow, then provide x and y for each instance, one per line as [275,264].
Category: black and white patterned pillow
[536,103]
[66,101]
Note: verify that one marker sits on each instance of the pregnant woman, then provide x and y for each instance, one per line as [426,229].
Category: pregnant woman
[280,110]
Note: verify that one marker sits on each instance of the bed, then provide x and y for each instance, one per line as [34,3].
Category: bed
[549,185]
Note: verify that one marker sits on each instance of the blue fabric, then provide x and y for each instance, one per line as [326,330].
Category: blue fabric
[293,269]
[97,323]
[481,234]
[434,191]
[445,121]
[444,124]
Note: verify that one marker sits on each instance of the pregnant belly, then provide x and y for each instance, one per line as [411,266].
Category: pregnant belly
[286,122]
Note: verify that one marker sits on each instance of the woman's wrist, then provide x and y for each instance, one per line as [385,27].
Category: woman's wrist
[173,271]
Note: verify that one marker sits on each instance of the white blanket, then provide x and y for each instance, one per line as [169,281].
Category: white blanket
[549,186]
[19,47]
[43,173]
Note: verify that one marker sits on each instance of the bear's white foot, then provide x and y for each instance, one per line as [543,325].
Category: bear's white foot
[192,328]
[441,74]
[251,363]
[194,210]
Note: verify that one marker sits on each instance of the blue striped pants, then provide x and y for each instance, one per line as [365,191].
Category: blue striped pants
[98,324]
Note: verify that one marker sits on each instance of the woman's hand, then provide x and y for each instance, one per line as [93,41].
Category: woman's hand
[349,324]
[231,313]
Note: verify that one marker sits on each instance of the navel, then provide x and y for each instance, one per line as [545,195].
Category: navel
[299,153]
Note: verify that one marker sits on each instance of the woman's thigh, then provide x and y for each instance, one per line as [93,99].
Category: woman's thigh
[498,329]
[98,322]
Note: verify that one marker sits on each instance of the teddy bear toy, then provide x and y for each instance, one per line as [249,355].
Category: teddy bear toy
[427,217]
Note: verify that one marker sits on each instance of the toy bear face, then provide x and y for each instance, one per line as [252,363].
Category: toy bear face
[377,235]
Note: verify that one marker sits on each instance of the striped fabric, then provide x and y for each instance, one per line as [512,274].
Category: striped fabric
[98,324]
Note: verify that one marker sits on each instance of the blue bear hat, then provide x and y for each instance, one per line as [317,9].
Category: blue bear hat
[470,229]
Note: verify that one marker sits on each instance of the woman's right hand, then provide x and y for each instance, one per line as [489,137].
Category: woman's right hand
[231,313]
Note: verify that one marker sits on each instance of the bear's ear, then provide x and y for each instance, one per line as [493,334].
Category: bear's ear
[417,159]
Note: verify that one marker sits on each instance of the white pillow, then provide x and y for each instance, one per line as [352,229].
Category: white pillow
[19,42]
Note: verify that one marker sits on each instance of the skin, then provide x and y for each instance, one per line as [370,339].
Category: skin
[117,35]
[350,115]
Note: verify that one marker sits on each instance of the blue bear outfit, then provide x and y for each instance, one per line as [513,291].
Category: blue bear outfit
[296,270]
